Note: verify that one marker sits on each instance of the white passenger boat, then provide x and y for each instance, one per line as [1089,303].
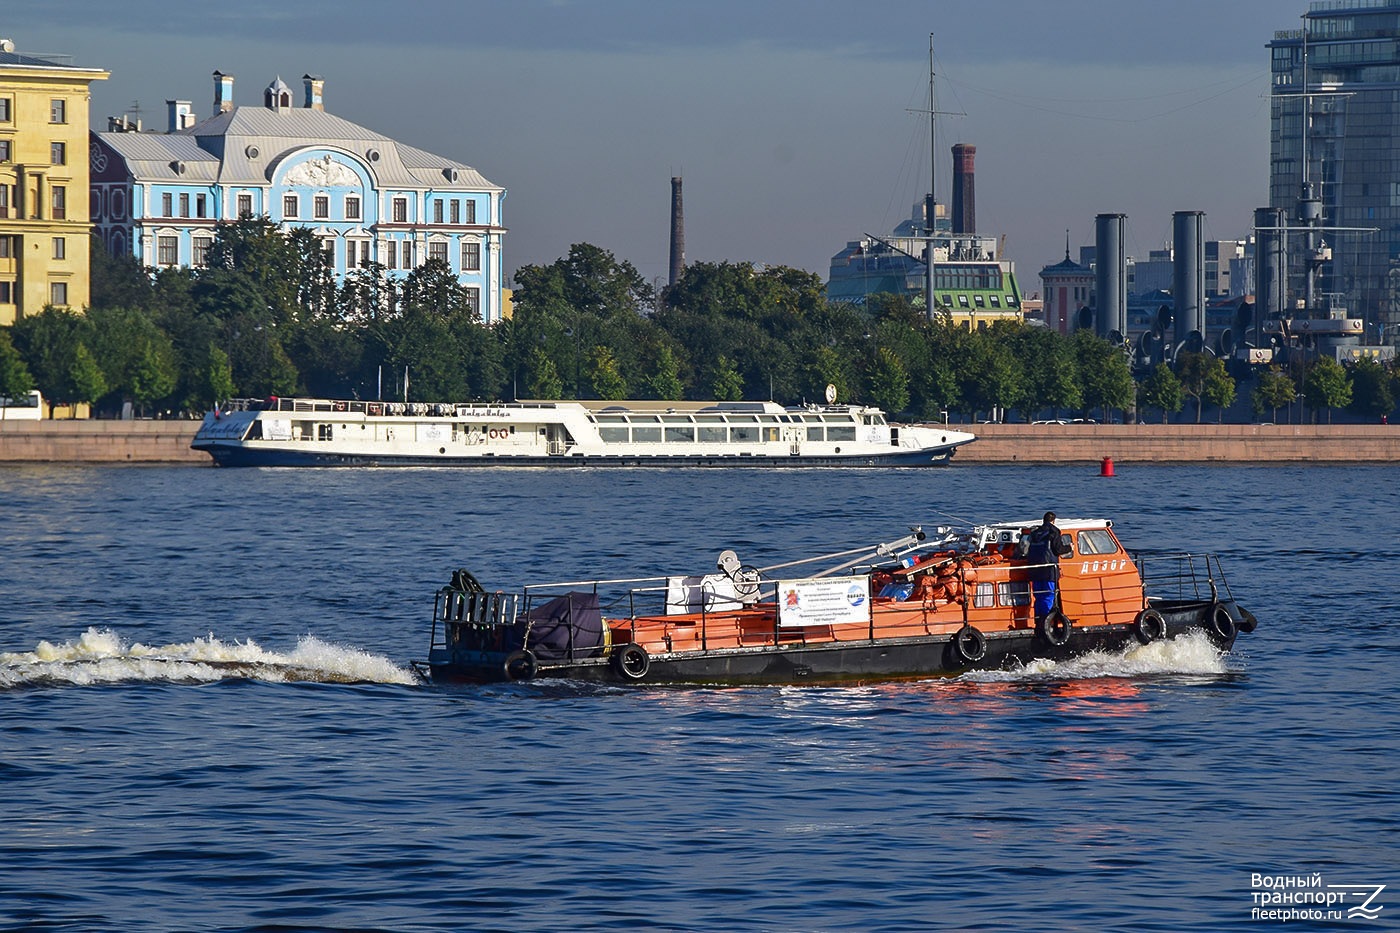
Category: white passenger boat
[322,432]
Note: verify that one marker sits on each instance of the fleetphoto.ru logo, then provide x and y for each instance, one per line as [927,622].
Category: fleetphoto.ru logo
[1306,897]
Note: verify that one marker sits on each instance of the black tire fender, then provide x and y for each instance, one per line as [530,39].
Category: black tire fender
[1055,628]
[1247,623]
[520,665]
[1149,626]
[631,662]
[1220,624]
[969,645]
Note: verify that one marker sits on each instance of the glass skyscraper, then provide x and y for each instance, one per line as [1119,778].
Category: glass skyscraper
[1336,105]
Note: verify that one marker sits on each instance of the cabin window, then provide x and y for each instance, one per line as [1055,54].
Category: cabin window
[646,435]
[770,434]
[834,433]
[983,597]
[815,433]
[1015,593]
[712,433]
[323,432]
[744,434]
[613,435]
[1097,541]
[680,433]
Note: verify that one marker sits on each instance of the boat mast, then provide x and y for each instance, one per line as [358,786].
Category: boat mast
[931,202]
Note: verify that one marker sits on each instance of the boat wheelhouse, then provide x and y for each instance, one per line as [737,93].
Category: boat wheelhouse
[321,432]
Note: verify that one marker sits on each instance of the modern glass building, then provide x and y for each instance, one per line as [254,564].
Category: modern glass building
[1335,120]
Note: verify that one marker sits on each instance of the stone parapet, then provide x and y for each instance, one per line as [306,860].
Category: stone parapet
[169,442]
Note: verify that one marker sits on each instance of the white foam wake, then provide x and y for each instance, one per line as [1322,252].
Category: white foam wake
[101,656]
[1192,653]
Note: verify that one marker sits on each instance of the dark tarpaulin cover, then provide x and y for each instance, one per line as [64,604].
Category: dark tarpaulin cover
[551,624]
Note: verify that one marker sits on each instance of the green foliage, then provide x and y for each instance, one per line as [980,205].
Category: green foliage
[1327,385]
[85,376]
[1371,388]
[726,385]
[1218,388]
[889,382]
[1273,390]
[665,382]
[543,381]
[1162,390]
[1105,379]
[604,376]
[16,382]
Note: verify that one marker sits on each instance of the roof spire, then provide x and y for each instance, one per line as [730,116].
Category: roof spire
[1066,243]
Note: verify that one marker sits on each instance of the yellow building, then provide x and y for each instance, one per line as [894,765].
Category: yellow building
[45,233]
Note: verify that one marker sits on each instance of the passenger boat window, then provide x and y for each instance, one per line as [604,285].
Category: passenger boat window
[613,435]
[1097,541]
[744,434]
[815,433]
[834,433]
[683,433]
[770,434]
[1015,593]
[646,434]
[323,432]
[675,419]
[611,419]
[712,434]
[983,596]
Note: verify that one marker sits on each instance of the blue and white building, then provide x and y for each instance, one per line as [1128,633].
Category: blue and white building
[368,198]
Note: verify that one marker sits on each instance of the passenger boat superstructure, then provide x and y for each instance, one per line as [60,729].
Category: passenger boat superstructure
[321,432]
[918,606]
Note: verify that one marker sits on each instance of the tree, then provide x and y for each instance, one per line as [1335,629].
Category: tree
[665,382]
[726,385]
[216,382]
[1327,385]
[15,380]
[48,344]
[1191,373]
[543,380]
[1273,390]
[1217,388]
[889,382]
[1106,380]
[603,374]
[1372,396]
[1162,390]
[154,376]
[85,377]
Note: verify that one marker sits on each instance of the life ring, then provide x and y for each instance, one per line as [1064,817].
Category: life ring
[969,645]
[1220,624]
[1054,628]
[1247,622]
[520,665]
[631,661]
[494,433]
[339,406]
[1149,626]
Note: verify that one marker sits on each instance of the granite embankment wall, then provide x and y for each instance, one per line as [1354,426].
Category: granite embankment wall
[99,442]
[169,442]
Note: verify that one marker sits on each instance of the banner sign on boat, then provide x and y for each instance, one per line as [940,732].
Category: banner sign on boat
[824,601]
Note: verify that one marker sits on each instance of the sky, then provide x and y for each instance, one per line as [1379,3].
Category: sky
[797,125]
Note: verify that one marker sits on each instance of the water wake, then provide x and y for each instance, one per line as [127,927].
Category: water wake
[100,656]
[1186,654]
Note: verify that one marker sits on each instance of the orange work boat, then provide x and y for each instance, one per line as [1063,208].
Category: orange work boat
[922,605]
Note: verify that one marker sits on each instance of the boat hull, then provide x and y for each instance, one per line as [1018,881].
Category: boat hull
[839,662]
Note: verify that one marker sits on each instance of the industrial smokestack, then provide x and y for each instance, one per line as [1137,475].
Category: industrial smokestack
[223,93]
[964,189]
[1110,277]
[677,231]
[1188,275]
[1268,267]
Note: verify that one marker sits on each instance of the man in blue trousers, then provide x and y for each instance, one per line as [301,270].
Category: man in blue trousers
[1043,549]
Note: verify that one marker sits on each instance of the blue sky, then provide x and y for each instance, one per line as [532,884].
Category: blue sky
[789,121]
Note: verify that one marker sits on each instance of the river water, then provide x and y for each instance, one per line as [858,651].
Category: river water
[208,718]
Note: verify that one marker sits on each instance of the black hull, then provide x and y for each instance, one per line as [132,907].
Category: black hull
[835,662]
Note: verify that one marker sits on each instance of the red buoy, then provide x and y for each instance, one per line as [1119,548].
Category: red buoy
[1106,467]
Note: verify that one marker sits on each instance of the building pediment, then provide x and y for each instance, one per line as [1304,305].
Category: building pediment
[323,172]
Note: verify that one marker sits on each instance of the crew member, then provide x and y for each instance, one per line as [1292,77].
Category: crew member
[1043,548]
